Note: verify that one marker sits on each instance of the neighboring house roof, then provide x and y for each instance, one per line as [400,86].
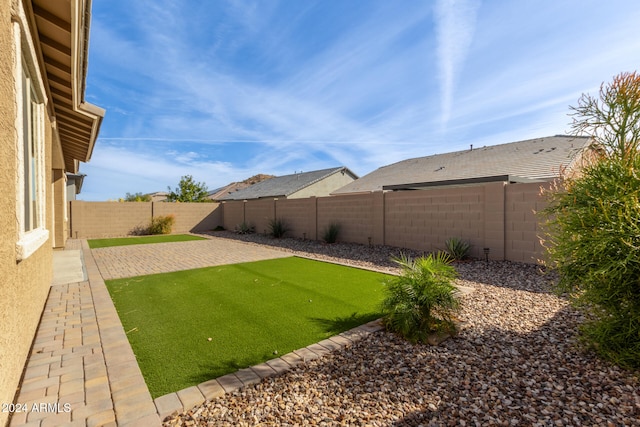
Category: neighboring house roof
[76,180]
[221,192]
[285,186]
[63,30]
[540,159]
[158,196]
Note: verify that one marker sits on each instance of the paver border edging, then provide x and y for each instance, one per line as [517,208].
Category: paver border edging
[132,401]
[186,399]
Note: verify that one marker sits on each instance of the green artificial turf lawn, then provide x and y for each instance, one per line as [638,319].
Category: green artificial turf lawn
[248,310]
[125,241]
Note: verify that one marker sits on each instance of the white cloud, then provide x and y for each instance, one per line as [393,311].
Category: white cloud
[378,86]
[455,27]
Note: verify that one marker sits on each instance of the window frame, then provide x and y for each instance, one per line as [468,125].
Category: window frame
[31,202]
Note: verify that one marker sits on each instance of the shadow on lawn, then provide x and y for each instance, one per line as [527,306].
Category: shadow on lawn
[341,324]
[210,372]
[331,326]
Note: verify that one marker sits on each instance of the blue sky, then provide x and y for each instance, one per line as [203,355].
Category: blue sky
[225,89]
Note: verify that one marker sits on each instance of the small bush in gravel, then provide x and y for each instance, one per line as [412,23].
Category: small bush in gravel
[457,248]
[422,300]
[278,228]
[331,232]
[244,228]
[162,224]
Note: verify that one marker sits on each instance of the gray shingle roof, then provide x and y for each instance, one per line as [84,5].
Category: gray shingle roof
[283,186]
[534,159]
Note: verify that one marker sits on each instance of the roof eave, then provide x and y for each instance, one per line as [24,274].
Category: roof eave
[464,181]
[63,33]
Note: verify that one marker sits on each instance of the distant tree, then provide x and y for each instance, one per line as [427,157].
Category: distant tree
[188,190]
[137,197]
[594,226]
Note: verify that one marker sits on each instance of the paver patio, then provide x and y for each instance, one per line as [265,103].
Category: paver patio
[81,366]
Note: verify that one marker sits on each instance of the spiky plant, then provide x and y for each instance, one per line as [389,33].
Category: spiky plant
[331,232]
[422,300]
[457,248]
[278,228]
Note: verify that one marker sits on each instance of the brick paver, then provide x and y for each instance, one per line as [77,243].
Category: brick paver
[138,260]
[81,370]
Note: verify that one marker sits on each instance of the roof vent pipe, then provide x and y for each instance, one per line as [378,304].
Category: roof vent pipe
[471,149]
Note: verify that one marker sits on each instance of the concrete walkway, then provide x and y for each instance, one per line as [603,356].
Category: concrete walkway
[82,370]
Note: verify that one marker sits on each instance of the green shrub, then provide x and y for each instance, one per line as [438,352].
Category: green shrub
[162,224]
[594,243]
[422,300]
[331,232]
[593,227]
[457,249]
[278,228]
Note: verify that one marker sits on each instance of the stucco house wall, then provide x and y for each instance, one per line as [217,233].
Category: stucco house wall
[43,133]
[324,187]
[24,284]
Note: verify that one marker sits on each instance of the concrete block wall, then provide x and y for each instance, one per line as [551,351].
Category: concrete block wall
[354,214]
[494,226]
[299,215]
[117,219]
[259,213]
[191,217]
[232,214]
[107,219]
[522,223]
[424,220]
[495,215]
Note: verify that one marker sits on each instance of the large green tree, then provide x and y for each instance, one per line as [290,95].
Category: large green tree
[188,190]
[594,222]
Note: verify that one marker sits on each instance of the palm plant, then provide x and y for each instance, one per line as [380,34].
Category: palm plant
[421,301]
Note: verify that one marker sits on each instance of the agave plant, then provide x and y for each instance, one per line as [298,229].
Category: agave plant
[423,300]
[457,248]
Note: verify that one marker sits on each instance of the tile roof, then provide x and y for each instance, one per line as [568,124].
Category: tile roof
[284,186]
[534,159]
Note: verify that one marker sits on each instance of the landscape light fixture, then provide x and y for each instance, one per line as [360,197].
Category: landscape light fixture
[486,254]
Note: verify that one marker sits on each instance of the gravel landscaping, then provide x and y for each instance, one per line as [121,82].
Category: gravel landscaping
[515,363]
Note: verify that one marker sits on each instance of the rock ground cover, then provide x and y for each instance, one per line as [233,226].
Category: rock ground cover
[516,363]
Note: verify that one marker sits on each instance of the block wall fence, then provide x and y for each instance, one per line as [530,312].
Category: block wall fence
[497,216]
[117,219]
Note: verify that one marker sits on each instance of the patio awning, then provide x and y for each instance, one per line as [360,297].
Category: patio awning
[63,32]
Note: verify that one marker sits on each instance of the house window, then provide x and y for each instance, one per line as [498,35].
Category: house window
[30,148]
[32,142]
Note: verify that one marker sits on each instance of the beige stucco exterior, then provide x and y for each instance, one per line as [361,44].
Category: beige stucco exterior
[324,187]
[26,268]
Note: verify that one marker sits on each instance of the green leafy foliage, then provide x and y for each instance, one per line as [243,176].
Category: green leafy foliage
[457,249]
[137,197]
[278,228]
[422,300]
[593,227]
[188,190]
[162,224]
[331,232]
